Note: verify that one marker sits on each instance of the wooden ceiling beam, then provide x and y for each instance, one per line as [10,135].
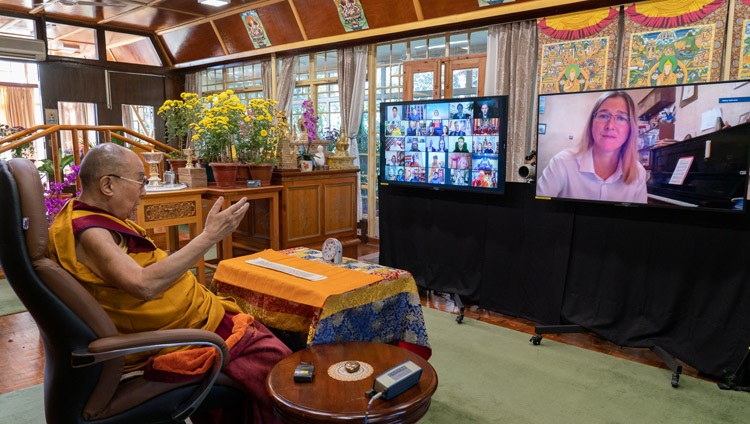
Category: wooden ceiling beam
[508,12]
[232,12]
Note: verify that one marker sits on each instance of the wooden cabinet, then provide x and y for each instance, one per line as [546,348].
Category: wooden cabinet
[318,205]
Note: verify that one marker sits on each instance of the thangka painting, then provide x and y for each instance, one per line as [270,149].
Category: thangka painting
[574,66]
[483,3]
[673,42]
[670,56]
[351,14]
[741,41]
[255,29]
[576,51]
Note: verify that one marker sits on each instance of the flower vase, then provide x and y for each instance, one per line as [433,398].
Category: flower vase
[225,174]
[306,165]
[175,164]
[262,172]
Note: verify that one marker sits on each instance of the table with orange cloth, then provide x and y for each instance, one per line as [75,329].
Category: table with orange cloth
[359,301]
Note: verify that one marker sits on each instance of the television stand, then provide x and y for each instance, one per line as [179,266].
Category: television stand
[734,380]
[457,300]
[665,357]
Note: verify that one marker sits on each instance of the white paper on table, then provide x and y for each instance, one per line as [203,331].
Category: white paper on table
[681,170]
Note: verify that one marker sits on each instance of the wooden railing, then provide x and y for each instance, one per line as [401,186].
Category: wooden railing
[52,133]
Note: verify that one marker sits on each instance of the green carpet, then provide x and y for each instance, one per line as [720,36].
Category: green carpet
[9,303]
[489,374]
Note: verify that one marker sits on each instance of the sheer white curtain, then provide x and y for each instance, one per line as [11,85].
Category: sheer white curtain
[511,60]
[285,85]
[352,67]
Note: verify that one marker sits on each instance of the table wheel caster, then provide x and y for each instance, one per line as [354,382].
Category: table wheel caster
[460,318]
[536,340]
[675,380]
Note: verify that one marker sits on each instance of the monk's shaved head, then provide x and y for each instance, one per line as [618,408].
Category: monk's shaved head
[103,159]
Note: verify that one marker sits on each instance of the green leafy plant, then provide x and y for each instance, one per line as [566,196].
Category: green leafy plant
[218,126]
[178,116]
[259,134]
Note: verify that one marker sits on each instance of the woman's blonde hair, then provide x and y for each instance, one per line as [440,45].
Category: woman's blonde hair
[629,150]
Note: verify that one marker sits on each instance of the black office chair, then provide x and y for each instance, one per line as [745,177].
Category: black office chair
[83,352]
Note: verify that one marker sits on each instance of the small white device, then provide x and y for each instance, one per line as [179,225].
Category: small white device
[332,251]
[397,379]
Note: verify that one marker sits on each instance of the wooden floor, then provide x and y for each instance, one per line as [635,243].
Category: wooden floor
[22,353]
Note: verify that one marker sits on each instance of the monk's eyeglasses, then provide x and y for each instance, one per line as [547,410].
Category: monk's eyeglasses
[143,183]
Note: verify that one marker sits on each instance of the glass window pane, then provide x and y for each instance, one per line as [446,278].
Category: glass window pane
[459,44]
[71,41]
[478,42]
[130,48]
[437,48]
[418,49]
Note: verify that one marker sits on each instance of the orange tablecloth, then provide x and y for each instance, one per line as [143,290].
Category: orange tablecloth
[289,287]
[385,310]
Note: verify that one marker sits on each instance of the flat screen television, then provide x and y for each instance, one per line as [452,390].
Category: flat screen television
[446,144]
[671,146]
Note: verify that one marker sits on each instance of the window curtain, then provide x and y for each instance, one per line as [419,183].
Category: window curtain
[17,104]
[285,85]
[193,83]
[352,68]
[266,77]
[511,54]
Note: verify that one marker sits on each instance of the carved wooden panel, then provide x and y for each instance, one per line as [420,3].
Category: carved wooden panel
[167,211]
[339,208]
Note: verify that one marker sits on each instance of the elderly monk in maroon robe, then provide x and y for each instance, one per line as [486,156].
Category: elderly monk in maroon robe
[142,288]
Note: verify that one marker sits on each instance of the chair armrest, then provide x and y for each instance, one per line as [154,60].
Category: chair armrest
[112,347]
[108,348]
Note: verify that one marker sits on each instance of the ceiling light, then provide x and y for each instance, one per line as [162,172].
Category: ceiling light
[215,3]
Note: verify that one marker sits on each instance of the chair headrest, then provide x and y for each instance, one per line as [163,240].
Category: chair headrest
[31,193]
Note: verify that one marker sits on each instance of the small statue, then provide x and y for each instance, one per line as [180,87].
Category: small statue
[320,157]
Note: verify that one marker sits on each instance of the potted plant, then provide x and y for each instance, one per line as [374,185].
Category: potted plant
[258,138]
[308,127]
[178,115]
[216,131]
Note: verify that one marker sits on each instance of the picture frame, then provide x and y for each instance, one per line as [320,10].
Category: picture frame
[688,95]
[542,129]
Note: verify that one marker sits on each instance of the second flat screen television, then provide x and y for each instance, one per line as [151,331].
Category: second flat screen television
[452,144]
[675,146]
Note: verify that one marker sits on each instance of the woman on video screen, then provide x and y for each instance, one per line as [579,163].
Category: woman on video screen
[606,166]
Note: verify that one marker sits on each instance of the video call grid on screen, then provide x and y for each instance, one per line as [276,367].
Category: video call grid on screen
[456,144]
[681,170]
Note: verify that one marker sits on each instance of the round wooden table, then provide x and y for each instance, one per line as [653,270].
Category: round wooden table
[328,400]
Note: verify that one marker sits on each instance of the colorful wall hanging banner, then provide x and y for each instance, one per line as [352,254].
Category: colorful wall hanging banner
[658,54]
[351,14]
[255,29]
[741,41]
[568,62]
[671,13]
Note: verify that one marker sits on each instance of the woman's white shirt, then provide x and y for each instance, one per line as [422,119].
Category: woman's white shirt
[571,175]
